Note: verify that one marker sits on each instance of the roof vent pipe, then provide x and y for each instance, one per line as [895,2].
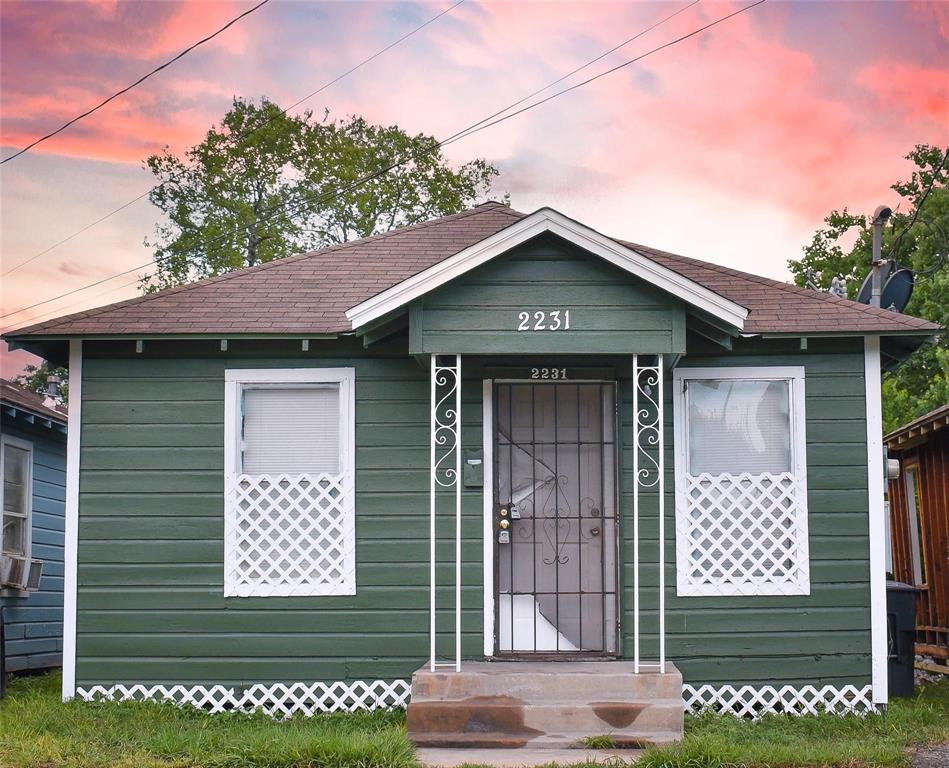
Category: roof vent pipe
[880,216]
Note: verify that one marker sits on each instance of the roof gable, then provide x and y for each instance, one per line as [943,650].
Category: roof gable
[547,220]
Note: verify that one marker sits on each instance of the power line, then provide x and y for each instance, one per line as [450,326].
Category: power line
[919,205]
[477,126]
[59,310]
[436,145]
[128,88]
[77,290]
[240,139]
[571,73]
[613,69]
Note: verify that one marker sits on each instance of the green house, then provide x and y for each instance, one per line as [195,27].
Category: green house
[493,441]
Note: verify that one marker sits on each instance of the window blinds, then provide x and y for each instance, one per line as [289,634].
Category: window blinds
[291,430]
[739,426]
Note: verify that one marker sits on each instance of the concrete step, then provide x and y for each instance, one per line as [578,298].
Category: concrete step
[571,741]
[481,714]
[544,704]
[592,680]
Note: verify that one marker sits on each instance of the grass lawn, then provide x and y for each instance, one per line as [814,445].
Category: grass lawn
[38,731]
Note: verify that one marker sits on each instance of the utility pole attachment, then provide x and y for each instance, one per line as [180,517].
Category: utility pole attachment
[880,216]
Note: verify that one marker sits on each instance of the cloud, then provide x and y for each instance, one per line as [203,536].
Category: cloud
[731,145]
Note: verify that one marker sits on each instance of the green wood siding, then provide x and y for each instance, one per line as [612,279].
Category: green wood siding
[479,312]
[34,621]
[151,526]
[822,637]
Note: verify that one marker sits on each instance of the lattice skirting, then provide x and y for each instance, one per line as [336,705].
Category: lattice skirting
[751,701]
[284,700]
[276,699]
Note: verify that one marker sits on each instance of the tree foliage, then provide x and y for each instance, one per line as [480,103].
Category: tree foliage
[922,383]
[263,185]
[35,378]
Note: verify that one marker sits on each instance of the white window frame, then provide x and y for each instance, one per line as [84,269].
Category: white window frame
[686,585]
[917,552]
[236,379]
[26,445]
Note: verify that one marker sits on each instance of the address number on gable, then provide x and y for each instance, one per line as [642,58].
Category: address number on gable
[544,320]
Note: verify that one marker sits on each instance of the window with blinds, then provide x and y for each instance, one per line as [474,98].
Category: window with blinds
[16,509]
[289,467]
[741,486]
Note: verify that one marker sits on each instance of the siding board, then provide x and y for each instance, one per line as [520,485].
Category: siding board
[151,557]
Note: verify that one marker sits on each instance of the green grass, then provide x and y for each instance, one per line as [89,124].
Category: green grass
[38,731]
[775,741]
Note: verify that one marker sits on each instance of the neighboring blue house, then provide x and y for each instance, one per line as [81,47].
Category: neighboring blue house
[32,501]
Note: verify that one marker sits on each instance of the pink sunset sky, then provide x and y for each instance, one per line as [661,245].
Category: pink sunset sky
[729,147]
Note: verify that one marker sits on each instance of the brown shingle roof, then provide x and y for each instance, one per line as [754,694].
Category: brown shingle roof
[309,293]
[20,397]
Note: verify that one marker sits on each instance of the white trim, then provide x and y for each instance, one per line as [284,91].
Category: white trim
[661,447]
[686,585]
[877,522]
[279,700]
[754,701]
[487,464]
[547,220]
[25,445]
[71,536]
[237,378]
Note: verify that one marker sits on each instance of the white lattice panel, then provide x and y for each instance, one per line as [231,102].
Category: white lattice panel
[741,534]
[749,701]
[276,699]
[289,535]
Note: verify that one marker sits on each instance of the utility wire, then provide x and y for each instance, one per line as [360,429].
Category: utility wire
[591,62]
[77,290]
[470,129]
[60,310]
[128,88]
[436,145]
[240,138]
[919,205]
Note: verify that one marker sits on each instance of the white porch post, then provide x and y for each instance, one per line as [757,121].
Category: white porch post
[649,472]
[445,473]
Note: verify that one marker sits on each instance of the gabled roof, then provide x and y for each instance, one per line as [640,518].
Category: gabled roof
[540,222]
[17,397]
[310,293]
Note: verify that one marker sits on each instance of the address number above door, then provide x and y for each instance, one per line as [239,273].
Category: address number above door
[544,320]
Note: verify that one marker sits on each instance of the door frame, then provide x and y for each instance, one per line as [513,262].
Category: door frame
[488,512]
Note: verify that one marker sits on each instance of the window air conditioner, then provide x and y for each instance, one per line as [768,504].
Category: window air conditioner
[12,571]
[36,573]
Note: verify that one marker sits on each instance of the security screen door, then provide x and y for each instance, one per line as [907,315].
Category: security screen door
[555,526]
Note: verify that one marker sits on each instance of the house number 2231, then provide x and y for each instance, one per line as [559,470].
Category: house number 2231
[544,320]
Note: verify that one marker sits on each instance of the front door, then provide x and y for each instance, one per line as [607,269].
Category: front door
[555,527]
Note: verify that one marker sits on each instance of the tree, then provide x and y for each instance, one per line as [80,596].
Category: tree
[921,383]
[36,378]
[264,185]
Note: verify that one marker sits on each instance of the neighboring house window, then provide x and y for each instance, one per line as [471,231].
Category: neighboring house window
[289,482]
[16,466]
[917,550]
[741,482]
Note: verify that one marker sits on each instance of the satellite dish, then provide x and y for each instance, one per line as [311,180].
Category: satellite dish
[867,288]
[898,290]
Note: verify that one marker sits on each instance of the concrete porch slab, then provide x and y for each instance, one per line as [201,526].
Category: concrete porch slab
[437,757]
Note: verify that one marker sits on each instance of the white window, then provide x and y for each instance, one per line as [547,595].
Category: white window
[16,503]
[289,467]
[741,482]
